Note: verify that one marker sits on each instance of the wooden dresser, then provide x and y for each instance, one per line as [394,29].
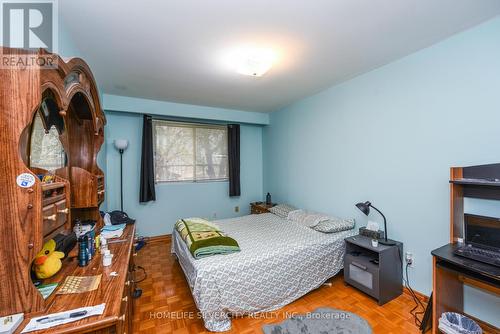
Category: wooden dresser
[51,131]
[115,291]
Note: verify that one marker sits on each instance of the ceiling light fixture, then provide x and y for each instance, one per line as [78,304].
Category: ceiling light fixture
[251,61]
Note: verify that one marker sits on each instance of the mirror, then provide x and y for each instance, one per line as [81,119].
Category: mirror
[46,150]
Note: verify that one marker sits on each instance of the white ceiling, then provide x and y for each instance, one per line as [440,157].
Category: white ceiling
[170,49]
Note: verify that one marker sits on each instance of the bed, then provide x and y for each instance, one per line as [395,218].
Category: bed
[280,261]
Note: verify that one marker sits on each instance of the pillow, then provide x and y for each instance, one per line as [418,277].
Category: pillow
[334,224]
[309,219]
[282,210]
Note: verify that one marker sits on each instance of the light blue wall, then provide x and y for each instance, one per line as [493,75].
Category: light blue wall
[171,109]
[390,136]
[178,200]
[67,46]
[124,120]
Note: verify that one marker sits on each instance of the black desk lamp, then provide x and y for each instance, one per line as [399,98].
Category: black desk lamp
[121,145]
[365,208]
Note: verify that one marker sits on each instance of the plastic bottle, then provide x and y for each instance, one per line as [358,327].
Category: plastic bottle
[82,252]
[78,228]
[107,258]
[104,244]
[268,199]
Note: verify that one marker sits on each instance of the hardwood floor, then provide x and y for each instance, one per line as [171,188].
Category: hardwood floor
[166,295]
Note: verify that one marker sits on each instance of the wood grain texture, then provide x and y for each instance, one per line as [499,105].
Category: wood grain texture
[166,292]
[479,284]
[27,218]
[448,293]
[456,205]
[258,208]
[111,290]
[159,238]
[21,209]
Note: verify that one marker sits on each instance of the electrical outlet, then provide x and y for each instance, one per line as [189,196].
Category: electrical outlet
[236,209]
[409,258]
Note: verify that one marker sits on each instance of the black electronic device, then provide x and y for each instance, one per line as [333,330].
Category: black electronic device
[65,242]
[482,239]
[120,217]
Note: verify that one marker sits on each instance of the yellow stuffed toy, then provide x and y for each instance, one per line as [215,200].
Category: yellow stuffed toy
[48,261]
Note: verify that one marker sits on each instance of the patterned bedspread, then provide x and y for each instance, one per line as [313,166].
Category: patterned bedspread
[279,262]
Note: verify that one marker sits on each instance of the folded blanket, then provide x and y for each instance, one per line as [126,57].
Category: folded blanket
[204,238]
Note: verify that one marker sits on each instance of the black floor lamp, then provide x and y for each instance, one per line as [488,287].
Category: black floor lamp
[121,145]
[365,208]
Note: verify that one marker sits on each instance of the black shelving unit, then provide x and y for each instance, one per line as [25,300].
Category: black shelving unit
[482,182]
[377,271]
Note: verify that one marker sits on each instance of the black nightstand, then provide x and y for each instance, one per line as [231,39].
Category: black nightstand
[377,271]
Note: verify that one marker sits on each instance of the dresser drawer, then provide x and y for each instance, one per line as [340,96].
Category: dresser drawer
[362,275]
[54,216]
[49,215]
[62,212]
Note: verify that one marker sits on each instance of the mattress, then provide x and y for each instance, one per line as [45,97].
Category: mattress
[280,261]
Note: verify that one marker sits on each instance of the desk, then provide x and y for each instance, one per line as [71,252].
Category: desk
[450,273]
[114,291]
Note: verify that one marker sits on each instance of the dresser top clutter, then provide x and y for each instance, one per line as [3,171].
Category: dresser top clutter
[115,290]
[51,131]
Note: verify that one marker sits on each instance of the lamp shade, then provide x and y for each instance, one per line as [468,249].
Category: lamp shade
[364,207]
[121,144]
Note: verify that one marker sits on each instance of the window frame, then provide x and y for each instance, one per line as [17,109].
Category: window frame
[194,126]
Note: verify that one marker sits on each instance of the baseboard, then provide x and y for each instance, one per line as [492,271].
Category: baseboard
[421,296]
[159,238]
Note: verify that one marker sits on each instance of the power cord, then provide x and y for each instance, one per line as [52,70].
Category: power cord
[137,291]
[414,311]
[144,272]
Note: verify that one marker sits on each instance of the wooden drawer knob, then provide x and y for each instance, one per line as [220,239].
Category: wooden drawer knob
[65,211]
[51,217]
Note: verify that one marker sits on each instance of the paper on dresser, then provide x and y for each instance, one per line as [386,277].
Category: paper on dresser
[34,324]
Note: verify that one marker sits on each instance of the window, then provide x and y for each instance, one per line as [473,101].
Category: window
[47,151]
[189,152]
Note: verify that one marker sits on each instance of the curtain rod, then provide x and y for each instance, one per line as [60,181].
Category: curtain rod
[190,120]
